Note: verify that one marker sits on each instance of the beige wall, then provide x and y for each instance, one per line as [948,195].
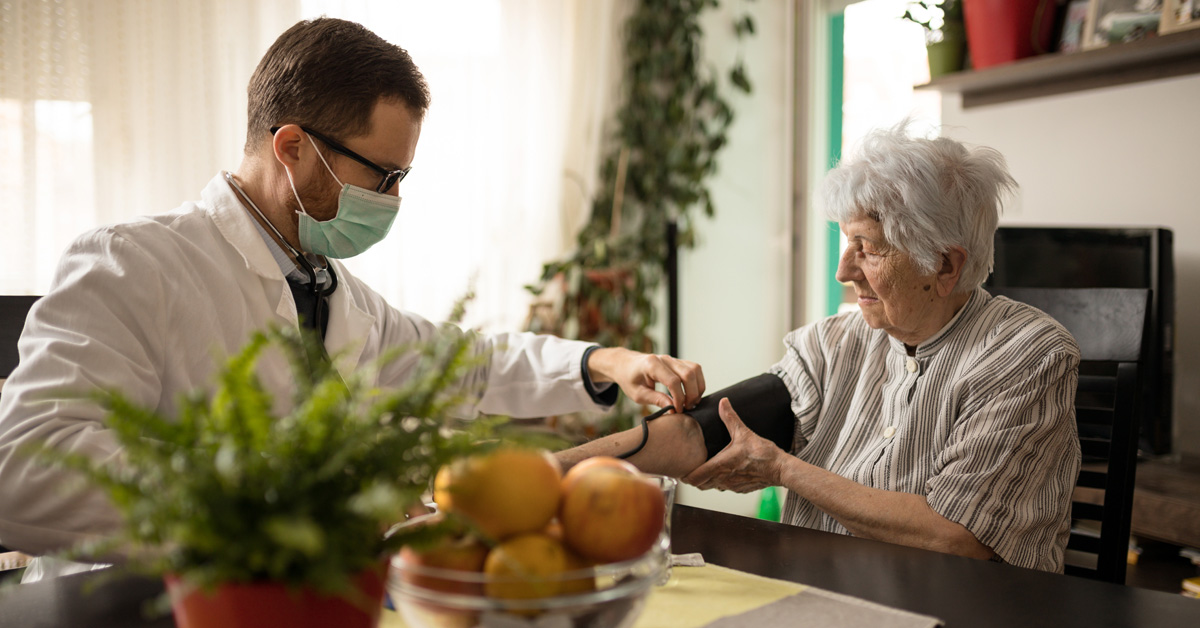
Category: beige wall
[1120,156]
[733,289]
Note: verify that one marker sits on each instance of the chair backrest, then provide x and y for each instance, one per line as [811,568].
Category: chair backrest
[1109,324]
[13,310]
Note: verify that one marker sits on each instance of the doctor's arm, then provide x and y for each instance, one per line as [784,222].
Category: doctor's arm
[638,373]
[535,375]
[80,337]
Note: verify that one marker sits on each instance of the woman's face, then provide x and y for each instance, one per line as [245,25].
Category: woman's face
[893,294]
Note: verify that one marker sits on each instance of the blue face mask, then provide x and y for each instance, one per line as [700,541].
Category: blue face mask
[363,219]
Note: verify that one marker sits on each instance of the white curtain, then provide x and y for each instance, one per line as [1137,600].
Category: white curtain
[115,108]
[596,71]
[520,89]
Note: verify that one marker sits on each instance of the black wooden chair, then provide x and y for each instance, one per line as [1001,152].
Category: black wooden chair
[13,310]
[1110,326]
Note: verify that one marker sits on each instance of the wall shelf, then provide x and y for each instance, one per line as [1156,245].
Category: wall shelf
[1159,57]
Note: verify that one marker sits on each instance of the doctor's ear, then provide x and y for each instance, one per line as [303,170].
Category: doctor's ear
[288,143]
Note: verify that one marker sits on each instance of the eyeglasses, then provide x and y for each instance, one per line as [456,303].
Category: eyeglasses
[389,177]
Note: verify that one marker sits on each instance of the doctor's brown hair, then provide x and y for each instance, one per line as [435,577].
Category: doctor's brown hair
[327,74]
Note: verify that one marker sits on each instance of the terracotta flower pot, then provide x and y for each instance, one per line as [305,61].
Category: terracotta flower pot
[267,604]
[1002,31]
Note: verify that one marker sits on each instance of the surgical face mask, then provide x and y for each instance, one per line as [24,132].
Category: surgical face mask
[363,219]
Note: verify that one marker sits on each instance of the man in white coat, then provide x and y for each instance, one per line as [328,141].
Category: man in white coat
[145,306]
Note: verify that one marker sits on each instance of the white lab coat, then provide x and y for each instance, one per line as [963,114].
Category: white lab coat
[153,305]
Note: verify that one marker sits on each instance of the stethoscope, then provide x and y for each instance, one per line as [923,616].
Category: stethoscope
[300,259]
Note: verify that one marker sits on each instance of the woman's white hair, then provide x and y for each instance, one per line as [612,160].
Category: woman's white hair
[928,194]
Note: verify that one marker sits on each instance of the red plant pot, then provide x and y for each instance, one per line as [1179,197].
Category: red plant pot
[1002,31]
[265,605]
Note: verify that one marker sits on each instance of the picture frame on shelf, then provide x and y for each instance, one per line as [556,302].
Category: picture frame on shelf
[1179,15]
[1121,21]
[1074,20]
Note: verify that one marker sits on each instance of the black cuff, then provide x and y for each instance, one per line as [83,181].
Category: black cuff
[609,395]
[764,405]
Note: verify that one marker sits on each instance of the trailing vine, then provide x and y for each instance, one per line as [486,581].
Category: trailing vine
[672,124]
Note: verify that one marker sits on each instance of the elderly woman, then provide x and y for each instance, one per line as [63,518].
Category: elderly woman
[935,416]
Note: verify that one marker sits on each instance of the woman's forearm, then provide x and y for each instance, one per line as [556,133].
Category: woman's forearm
[891,516]
[675,447]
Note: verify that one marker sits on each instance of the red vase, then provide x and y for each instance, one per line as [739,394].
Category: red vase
[266,605]
[1002,31]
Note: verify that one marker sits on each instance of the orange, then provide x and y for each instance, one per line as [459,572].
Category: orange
[584,584]
[526,567]
[554,530]
[505,493]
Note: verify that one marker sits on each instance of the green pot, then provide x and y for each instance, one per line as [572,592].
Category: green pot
[947,55]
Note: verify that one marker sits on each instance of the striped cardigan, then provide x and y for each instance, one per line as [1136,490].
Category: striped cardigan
[981,421]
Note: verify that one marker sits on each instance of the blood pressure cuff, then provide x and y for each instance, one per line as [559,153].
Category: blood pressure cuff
[764,405]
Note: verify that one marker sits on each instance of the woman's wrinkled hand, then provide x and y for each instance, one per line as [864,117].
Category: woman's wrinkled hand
[748,463]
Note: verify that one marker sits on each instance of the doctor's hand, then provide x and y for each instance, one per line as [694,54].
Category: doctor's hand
[748,463]
[638,373]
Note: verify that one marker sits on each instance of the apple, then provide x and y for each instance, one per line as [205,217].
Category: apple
[607,462]
[610,515]
[464,554]
[507,492]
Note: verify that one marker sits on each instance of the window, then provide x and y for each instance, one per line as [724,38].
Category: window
[876,61]
[884,56]
[91,131]
[481,204]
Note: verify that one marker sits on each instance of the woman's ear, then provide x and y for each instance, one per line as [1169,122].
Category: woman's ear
[950,271]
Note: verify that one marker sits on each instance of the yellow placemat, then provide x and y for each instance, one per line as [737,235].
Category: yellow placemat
[697,596]
[693,597]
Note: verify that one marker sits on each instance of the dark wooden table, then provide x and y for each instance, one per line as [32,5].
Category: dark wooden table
[960,591]
[82,601]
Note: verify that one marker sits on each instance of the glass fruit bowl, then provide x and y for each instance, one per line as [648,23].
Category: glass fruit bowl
[610,595]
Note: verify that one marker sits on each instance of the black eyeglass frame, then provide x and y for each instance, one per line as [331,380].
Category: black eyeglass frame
[390,177]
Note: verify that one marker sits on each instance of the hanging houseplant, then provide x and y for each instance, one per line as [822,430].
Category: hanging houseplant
[668,130]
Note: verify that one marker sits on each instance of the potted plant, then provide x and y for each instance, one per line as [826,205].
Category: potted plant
[263,518]
[945,33]
[1003,31]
